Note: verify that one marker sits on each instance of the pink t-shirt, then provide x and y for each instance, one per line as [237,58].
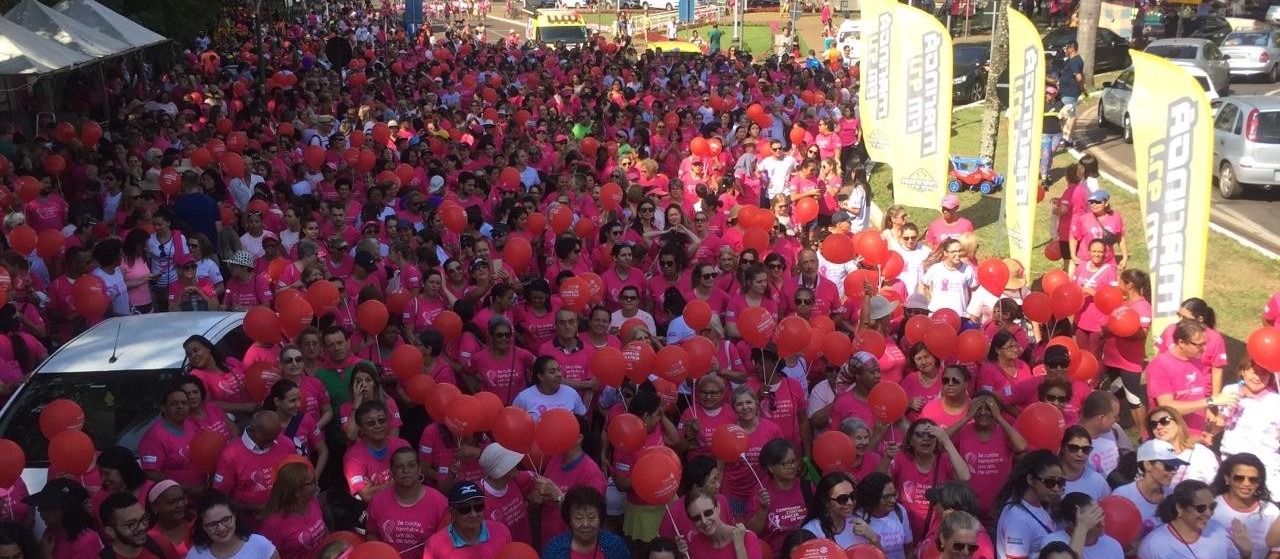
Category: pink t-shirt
[1025,393]
[992,377]
[405,527]
[989,463]
[11,506]
[848,405]
[245,475]
[436,456]
[708,422]
[440,544]
[939,230]
[573,363]
[1271,312]
[912,484]
[934,410]
[583,471]
[1086,227]
[242,294]
[787,511]
[893,364]
[700,547]
[214,420]
[915,388]
[507,507]
[1186,381]
[738,480]
[539,326]
[162,450]
[1075,202]
[296,536]
[224,387]
[785,407]
[346,409]
[315,398]
[87,544]
[1215,348]
[499,376]
[365,468]
[1127,354]
[682,524]
[1090,318]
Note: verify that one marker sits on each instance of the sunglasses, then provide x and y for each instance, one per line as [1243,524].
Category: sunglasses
[1206,508]
[1079,449]
[472,509]
[297,359]
[1055,399]
[628,297]
[964,547]
[502,334]
[705,514]
[1253,480]
[709,275]
[800,301]
[1163,422]
[951,380]
[1052,482]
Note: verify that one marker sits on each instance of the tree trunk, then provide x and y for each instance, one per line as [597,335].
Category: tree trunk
[1086,35]
[999,62]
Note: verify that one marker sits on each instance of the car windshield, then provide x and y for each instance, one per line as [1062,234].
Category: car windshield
[1246,40]
[970,56]
[1269,128]
[1174,52]
[566,34]
[119,406]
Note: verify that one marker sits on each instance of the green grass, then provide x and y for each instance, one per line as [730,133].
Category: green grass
[1238,281]
[756,39]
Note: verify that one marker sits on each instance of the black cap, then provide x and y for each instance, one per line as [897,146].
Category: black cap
[1057,354]
[463,492]
[59,493]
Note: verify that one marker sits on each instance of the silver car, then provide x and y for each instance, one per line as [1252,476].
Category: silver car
[1253,54]
[1113,109]
[1200,53]
[1246,143]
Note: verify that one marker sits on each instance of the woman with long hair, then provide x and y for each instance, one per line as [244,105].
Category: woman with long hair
[712,537]
[219,534]
[315,398]
[120,473]
[987,439]
[1166,424]
[876,501]
[927,458]
[1125,357]
[1258,413]
[1004,367]
[1243,496]
[755,293]
[1188,532]
[831,512]
[1032,490]
[69,528]
[20,351]
[949,281]
[1073,456]
[308,439]
[222,378]
[780,507]
[292,519]
[365,386]
[203,412]
[1214,355]
[137,271]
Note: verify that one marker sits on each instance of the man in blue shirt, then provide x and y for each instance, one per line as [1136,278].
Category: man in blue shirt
[1070,87]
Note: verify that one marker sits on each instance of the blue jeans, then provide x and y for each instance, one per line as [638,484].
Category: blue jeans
[1048,145]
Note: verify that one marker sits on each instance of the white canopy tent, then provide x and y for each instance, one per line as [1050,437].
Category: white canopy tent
[61,28]
[104,20]
[24,52]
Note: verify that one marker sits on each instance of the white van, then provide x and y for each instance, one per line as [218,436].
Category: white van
[850,35]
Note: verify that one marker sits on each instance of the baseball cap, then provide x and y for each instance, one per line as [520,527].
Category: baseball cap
[841,217]
[497,460]
[951,202]
[463,492]
[1156,450]
[60,493]
[183,260]
[1057,354]
[1100,196]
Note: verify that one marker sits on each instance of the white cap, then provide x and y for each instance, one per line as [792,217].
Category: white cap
[1156,450]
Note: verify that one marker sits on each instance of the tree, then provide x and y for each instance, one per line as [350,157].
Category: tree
[1086,35]
[999,63]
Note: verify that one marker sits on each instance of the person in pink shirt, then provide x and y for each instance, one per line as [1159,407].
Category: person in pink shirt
[826,296]
[564,471]
[536,316]
[700,420]
[755,293]
[1175,378]
[408,514]
[189,292]
[506,488]
[1003,368]
[923,385]
[47,211]
[308,440]
[1069,207]
[987,441]
[780,507]
[244,468]
[949,225]
[1124,357]
[740,476]
[1214,356]
[712,537]
[927,459]
[205,414]
[1090,276]
[953,406]
[502,368]
[245,288]
[223,378]
[292,519]
[700,475]
[621,273]
[1099,223]
[367,463]
[1271,312]
[573,355]
[864,369]
[163,450]
[1057,364]
[469,534]
[63,506]
[365,386]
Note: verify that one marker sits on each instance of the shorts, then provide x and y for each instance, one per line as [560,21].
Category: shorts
[641,522]
[1068,107]
[1127,385]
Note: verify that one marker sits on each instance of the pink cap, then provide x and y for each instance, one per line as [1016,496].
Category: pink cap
[950,202]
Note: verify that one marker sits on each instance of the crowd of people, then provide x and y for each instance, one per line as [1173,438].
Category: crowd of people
[526,214]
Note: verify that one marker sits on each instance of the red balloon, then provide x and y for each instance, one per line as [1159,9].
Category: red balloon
[356,139]
[836,347]
[941,340]
[1264,348]
[513,428]
[655,479]
[756,239]
[1084,368]
[313,156]
[404,172]
[1037,307]
[23,239]
[55,164]
[517,550]
[49,243]
[27,188]
[611,196]
[449,324]
[818,549]
[888,401]
[971,346]
[89,296]
[756,325]
[1121,519]
[822,324]
[510,177]
[407,361]
[574,294]
[701,353]
[716,146]
[1053,251]
[1124,322]
[372,316]
[872,247]
[638,357]
[65,132]
[60,415]
[233,165]
[535,223]
[627,432]
[352,539]
[793,336]
[948,317]
[1108,298]
[1067,300]
[12,462]
[439,398]
[797,134]
[834,451]
[419,388]
[864,551]
[609,365]
[205,449]
[201,158]
[381,133]
[672,364]
[557,431]
[893,266]
[993,275]
[729,442]
[1052,279]
[561,219]
[397,300]
[697,314]
[1042,425]
[374,550]
[871,342]
[366,160]
[700,147]
[595,285]
[170,181]
[71,452]
[262,325]
[236,142]
[90,134]
[454,217]
[463,415]
[323,296]
[837,249]
[259,378]
[806,209]
[916,328]
[517,254]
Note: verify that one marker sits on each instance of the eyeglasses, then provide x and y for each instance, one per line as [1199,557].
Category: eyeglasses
[708,275]
[1054,399]
[464,510]
[224,522]
[1162,422]
[960,547]
[1253,480]
[952,380]
[1169,466]
[1199,345]
[911,238]
[746,262]
[376,422]
[842,499]
[800,301]
[141,523]
[1203,508]
[1079,449]
[704,514]
[297,359]
[1052,482]
[646,210]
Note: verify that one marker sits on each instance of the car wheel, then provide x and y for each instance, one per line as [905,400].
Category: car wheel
[1127,130]
[668,6]
[1228,186]
[1274,75]
[976,92]
[1102,119]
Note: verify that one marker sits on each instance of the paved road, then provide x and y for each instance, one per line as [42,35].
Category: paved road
[1253,216]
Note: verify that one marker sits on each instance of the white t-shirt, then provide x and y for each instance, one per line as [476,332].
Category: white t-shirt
[617,320]
[1021,530]
[835,272]
[1105,454]
[845,539]
[950,289]
[536,403]
[895,533]
[208,268]
[1253,426]
[116,291]
[913,267]
[779,173]
[257,547]
[1258,521]
[1091,483]
[1202,464]
[1147,509]
[678,331]
[1213,543]
[1105,548]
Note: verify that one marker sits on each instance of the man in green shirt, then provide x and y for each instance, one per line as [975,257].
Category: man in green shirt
[336,373]
[713,37]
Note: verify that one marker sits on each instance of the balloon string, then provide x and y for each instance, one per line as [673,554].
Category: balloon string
[753,470]
[674,527]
